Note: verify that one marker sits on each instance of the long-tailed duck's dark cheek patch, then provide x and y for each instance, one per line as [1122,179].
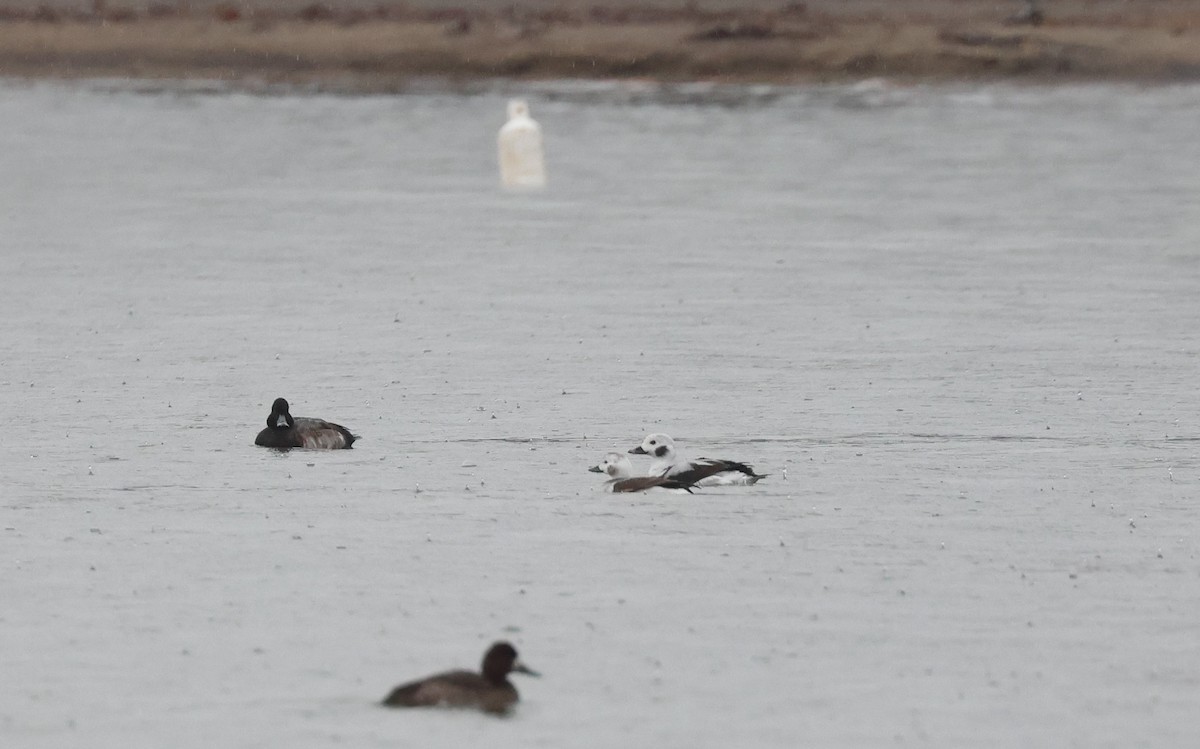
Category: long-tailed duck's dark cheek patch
[660,451]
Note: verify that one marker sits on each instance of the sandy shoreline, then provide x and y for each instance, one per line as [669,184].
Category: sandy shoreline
[380,48]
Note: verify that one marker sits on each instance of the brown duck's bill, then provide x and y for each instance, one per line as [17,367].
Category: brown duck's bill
[638,451]
[521,668]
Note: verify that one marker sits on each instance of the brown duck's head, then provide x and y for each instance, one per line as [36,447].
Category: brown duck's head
[501,660]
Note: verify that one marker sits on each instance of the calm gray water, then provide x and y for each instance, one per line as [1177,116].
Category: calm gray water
[957,326]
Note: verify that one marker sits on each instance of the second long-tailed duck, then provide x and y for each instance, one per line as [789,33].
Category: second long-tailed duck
[285,431]
[700,472]
[489,690]
[622,479]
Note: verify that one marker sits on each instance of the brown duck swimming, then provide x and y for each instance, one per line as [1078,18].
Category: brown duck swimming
[489,690]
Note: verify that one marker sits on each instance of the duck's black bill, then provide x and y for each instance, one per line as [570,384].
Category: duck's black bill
[596,469]
[639,451]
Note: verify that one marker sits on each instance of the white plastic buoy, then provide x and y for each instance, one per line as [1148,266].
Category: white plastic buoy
[522,164]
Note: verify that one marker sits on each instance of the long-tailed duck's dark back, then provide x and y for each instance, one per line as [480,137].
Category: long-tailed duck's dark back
[701,472]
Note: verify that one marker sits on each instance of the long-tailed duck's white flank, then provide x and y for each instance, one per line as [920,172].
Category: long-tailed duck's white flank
[700,472]
[622,479]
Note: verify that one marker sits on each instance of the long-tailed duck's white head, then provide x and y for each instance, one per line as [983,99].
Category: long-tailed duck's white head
[658,445]
[616,465]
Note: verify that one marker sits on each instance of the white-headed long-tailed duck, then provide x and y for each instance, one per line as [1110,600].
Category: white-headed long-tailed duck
[489,690]
[284,431]
[700,472]
[622,478]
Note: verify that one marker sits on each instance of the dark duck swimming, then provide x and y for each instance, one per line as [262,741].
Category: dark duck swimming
[489,690]
[286,431]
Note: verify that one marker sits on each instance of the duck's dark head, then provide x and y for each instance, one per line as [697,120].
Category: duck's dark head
[280,418]
[501,660]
